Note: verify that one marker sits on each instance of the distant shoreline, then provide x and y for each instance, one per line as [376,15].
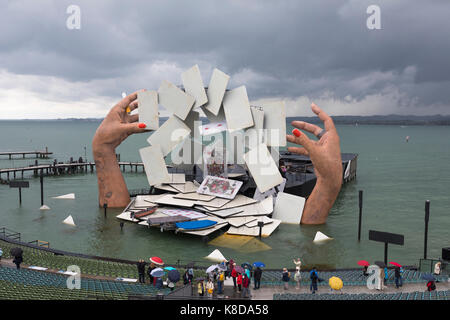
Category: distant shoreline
[437,120]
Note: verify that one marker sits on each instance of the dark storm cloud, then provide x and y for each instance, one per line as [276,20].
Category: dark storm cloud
[276,48]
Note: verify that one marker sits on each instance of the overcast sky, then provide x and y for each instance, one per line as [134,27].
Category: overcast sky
[300,51]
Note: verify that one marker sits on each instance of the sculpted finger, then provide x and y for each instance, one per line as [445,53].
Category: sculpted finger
[133,118]
[131,128]
[133,106]
[311,128]
[327,121]
[125,102]
[301,139]
[298,150]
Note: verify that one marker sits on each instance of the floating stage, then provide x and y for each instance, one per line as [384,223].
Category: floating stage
[167,206]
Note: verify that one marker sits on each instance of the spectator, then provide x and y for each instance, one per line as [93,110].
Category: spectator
[191,274]
[210,288]
[1,254]
[220,283]
[298,264]
[386,275]
[365,271]
[246,286]
[18,260]
[239,282]
[286,277]
[149,273]
[234,275]
[298,278]
[437,268]
[159,283]
[186,278]
[201,288]
[141,270]
[257,277]
[431,286]
[398,277]
[314,278]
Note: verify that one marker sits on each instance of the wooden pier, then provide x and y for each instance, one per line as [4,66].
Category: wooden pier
[60,169]
[38,154]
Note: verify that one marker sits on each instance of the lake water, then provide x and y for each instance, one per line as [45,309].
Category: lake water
[397,177]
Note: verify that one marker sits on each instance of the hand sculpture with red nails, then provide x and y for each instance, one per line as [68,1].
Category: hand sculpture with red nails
[325,154]
[114,129]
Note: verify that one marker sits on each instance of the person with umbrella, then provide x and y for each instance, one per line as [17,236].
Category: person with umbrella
[172,277]
[191,271]
[257,274]
[17,254]
[365,264]
[397,274]
[141,270]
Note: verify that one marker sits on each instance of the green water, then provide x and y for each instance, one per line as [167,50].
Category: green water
[397,177]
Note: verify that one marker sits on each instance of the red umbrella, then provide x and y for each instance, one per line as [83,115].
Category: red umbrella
[395,264]
[363,263]
[157,260]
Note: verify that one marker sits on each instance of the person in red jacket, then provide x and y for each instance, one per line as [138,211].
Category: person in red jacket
[245,285]
[239,282]
[234,274]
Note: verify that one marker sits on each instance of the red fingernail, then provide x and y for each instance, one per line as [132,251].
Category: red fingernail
[142,125]
[296,133]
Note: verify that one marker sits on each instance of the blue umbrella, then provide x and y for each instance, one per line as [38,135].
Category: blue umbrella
[169,268]
[248,265]
[259,264]
[428,277]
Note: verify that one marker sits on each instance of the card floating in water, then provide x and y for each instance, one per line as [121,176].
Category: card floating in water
[69,196]
[321,237]
[69,221]
[215,256]
[289,208]
[44,207]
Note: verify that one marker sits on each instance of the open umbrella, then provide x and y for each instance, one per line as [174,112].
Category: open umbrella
[16,252]
[157,272]
[212,268]
[395,264]
[380,264]
[173,276]
[363,263]
[169,268]
[222,267]
[199,279]
[335,283]
[248,265]
[428,277]
[157,260]
[239,269]
[259,264]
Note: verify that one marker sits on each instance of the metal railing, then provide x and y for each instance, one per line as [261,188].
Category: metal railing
[8,233]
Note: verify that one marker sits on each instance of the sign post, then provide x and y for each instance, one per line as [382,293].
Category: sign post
[19,185]
[386,238]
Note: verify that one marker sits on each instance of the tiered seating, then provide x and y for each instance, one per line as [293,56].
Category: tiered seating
[349,277]
[417,295]
[28,284]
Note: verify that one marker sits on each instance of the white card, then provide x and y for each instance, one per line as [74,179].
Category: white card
[148,109]
[263,168]
[220,187]
[169,199]
[169,135]
[237,109]
[212,128]
[274,123]
[193,85]
[216,91]
[288,208]
[154,165]
[175,100]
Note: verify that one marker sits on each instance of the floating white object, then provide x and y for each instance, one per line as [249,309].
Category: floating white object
[275,123]
[216,91]
[44,207]
[289,208]
[126,279]
[37,268]
[321,237]
[216,256]
[237,109]
[193,85]
[154,165]
[69,221]
[148,109]
[169,135]
[69,196]
[263,168]
[175,100]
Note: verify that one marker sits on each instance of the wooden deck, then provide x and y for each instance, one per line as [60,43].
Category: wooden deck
[38,154]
